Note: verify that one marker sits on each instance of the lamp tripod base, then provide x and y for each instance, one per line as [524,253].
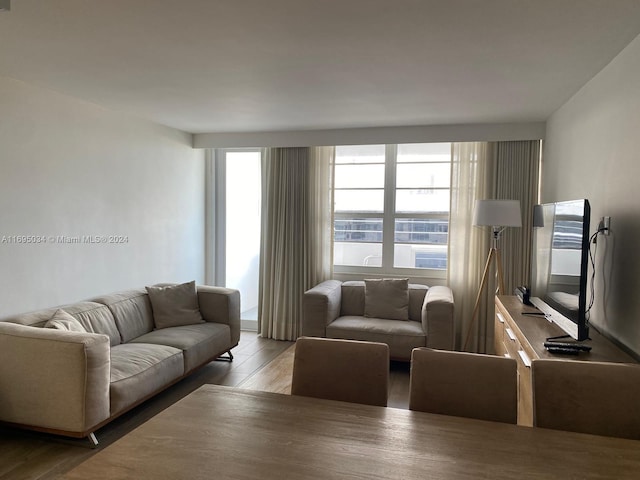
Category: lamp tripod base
[494,255]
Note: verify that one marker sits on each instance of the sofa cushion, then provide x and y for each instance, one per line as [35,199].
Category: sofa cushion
[175,305]
[352,298]
[95,318]
[387,298]
[139,370]
[62,320]
[199,343]
[132,312]
[402,336]
[36,318]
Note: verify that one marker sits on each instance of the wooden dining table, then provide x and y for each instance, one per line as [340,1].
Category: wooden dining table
[228,433]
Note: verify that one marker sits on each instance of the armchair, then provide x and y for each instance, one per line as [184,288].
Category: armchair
[335,309]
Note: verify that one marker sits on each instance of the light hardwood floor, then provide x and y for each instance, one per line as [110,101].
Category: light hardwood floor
[259,364]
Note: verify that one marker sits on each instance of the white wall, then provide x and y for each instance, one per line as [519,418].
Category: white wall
[592,151]
[69,168]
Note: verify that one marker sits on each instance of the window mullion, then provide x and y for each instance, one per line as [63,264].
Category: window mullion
[388,231]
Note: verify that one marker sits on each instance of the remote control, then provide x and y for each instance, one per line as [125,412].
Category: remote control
[575,346]
[563,350]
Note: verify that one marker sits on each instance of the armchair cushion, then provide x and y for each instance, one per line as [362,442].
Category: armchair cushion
[387,298]
[402,336]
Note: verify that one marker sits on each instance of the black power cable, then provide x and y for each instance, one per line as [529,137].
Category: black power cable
[592,258]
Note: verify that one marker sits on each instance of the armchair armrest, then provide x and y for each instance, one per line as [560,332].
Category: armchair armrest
[320,307]
[221,305]
[52,379]
[437,318]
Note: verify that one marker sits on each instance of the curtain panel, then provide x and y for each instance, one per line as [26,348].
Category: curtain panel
[296,241]
[517,171]
[495,170]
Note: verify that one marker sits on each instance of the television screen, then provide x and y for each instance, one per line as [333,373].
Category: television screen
[559,264]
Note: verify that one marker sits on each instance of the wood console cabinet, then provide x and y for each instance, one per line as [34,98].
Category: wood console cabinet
[522,337]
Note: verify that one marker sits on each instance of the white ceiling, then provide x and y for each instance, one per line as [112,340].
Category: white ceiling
[264,65]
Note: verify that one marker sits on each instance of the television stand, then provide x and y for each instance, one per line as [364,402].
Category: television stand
[521,335]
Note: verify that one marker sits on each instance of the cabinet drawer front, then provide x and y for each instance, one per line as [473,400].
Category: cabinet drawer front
[511,343]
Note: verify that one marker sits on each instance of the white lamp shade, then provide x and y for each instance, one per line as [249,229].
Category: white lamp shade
[497,213]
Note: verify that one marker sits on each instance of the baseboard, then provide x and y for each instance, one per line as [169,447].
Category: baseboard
[249,325]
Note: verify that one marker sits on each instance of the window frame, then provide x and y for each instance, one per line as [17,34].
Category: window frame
[216,219]
[389,216]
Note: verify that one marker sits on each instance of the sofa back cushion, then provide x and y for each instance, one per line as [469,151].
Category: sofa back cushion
[95,318]
[417,293]
[132,312]
[37,318]
[353,299]
[62,320]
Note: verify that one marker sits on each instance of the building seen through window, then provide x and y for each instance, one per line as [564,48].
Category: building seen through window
[392,206]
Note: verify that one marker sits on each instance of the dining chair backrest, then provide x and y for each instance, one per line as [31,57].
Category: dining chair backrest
[346,370]
[588,397]
[464,384]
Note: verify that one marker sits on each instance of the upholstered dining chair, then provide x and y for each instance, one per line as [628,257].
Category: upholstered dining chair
[464,385]
[588,397]
[347,370]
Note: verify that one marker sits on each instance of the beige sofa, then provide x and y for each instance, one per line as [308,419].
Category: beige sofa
[336,309]
[73,382]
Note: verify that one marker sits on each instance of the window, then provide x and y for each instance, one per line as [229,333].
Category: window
[391,207]
[237,226]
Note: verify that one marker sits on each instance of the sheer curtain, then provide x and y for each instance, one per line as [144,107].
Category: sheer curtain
[468,246]
[500,170]
[296,234]
[320,215]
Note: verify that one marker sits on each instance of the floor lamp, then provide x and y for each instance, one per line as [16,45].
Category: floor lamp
[497,214]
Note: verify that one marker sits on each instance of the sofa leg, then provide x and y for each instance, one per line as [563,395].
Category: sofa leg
[92,440]
[228,358]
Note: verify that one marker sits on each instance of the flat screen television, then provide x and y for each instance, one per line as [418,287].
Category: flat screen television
[559,267]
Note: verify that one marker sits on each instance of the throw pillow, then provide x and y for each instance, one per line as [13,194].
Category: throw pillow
[62,320]
[175,305]
[387,298]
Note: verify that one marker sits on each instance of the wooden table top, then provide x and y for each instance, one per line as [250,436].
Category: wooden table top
[228,433]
